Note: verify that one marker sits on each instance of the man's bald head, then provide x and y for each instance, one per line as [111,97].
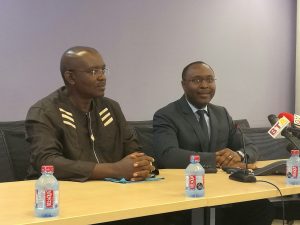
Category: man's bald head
[71,59]
[83,71]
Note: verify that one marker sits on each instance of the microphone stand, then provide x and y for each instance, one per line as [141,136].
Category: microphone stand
[243,175]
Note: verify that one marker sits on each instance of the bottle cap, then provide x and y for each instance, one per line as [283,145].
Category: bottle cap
[195,158]
[47,168]
[295,152]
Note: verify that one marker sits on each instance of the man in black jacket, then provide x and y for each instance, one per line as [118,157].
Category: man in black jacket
[83,134]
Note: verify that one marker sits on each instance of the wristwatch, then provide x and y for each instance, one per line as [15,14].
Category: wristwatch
[242,155]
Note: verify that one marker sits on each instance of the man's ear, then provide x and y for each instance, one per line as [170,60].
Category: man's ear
[69,77]
[183,84]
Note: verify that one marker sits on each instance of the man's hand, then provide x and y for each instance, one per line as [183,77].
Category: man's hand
[228,158]
[143,166]
[136,166]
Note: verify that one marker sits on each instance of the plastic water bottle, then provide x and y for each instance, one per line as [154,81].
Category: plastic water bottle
[292,168]
[194,178]
[46,193]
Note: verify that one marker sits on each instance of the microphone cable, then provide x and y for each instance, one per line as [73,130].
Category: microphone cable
[246,162]
[281,196]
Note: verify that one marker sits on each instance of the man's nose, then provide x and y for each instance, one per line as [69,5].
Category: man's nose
[204,84]
[101,77]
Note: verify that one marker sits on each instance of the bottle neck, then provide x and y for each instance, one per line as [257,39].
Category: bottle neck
[47,173]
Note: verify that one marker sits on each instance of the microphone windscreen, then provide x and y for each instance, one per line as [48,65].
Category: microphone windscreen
[289,116]
[272,119]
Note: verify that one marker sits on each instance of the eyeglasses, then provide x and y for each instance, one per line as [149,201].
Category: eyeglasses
[95,72]
[208,80]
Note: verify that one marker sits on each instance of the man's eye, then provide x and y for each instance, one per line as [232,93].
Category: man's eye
[95,71]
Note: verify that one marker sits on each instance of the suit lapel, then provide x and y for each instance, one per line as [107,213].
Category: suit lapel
[213,129]
[193,122]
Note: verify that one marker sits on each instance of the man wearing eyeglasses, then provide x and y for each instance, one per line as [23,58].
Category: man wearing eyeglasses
[192,125]
[83,134]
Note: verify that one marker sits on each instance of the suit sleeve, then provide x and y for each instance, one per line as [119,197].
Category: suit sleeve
[238,139]
[46,147]
[166,145]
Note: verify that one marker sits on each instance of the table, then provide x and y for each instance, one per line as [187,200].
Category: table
[101,201]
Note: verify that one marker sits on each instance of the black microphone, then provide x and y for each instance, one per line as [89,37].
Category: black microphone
[272,119]
[243,175]
[294,130]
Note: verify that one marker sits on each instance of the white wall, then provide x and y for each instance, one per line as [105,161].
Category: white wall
[146,44]
[297,80]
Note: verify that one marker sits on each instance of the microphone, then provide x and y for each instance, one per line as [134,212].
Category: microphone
[243,175]
[272,119]
[294,120]
[278,126]
[294,129]
[289,116]
[281,128]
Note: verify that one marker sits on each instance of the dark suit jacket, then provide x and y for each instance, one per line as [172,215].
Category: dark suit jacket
[177,135]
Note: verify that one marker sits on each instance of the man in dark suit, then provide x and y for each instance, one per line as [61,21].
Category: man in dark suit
[192,125]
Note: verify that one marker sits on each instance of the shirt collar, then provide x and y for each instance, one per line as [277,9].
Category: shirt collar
[194,109]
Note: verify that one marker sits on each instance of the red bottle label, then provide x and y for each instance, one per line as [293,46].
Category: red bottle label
[295,171]
[192,182]
[49,198]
